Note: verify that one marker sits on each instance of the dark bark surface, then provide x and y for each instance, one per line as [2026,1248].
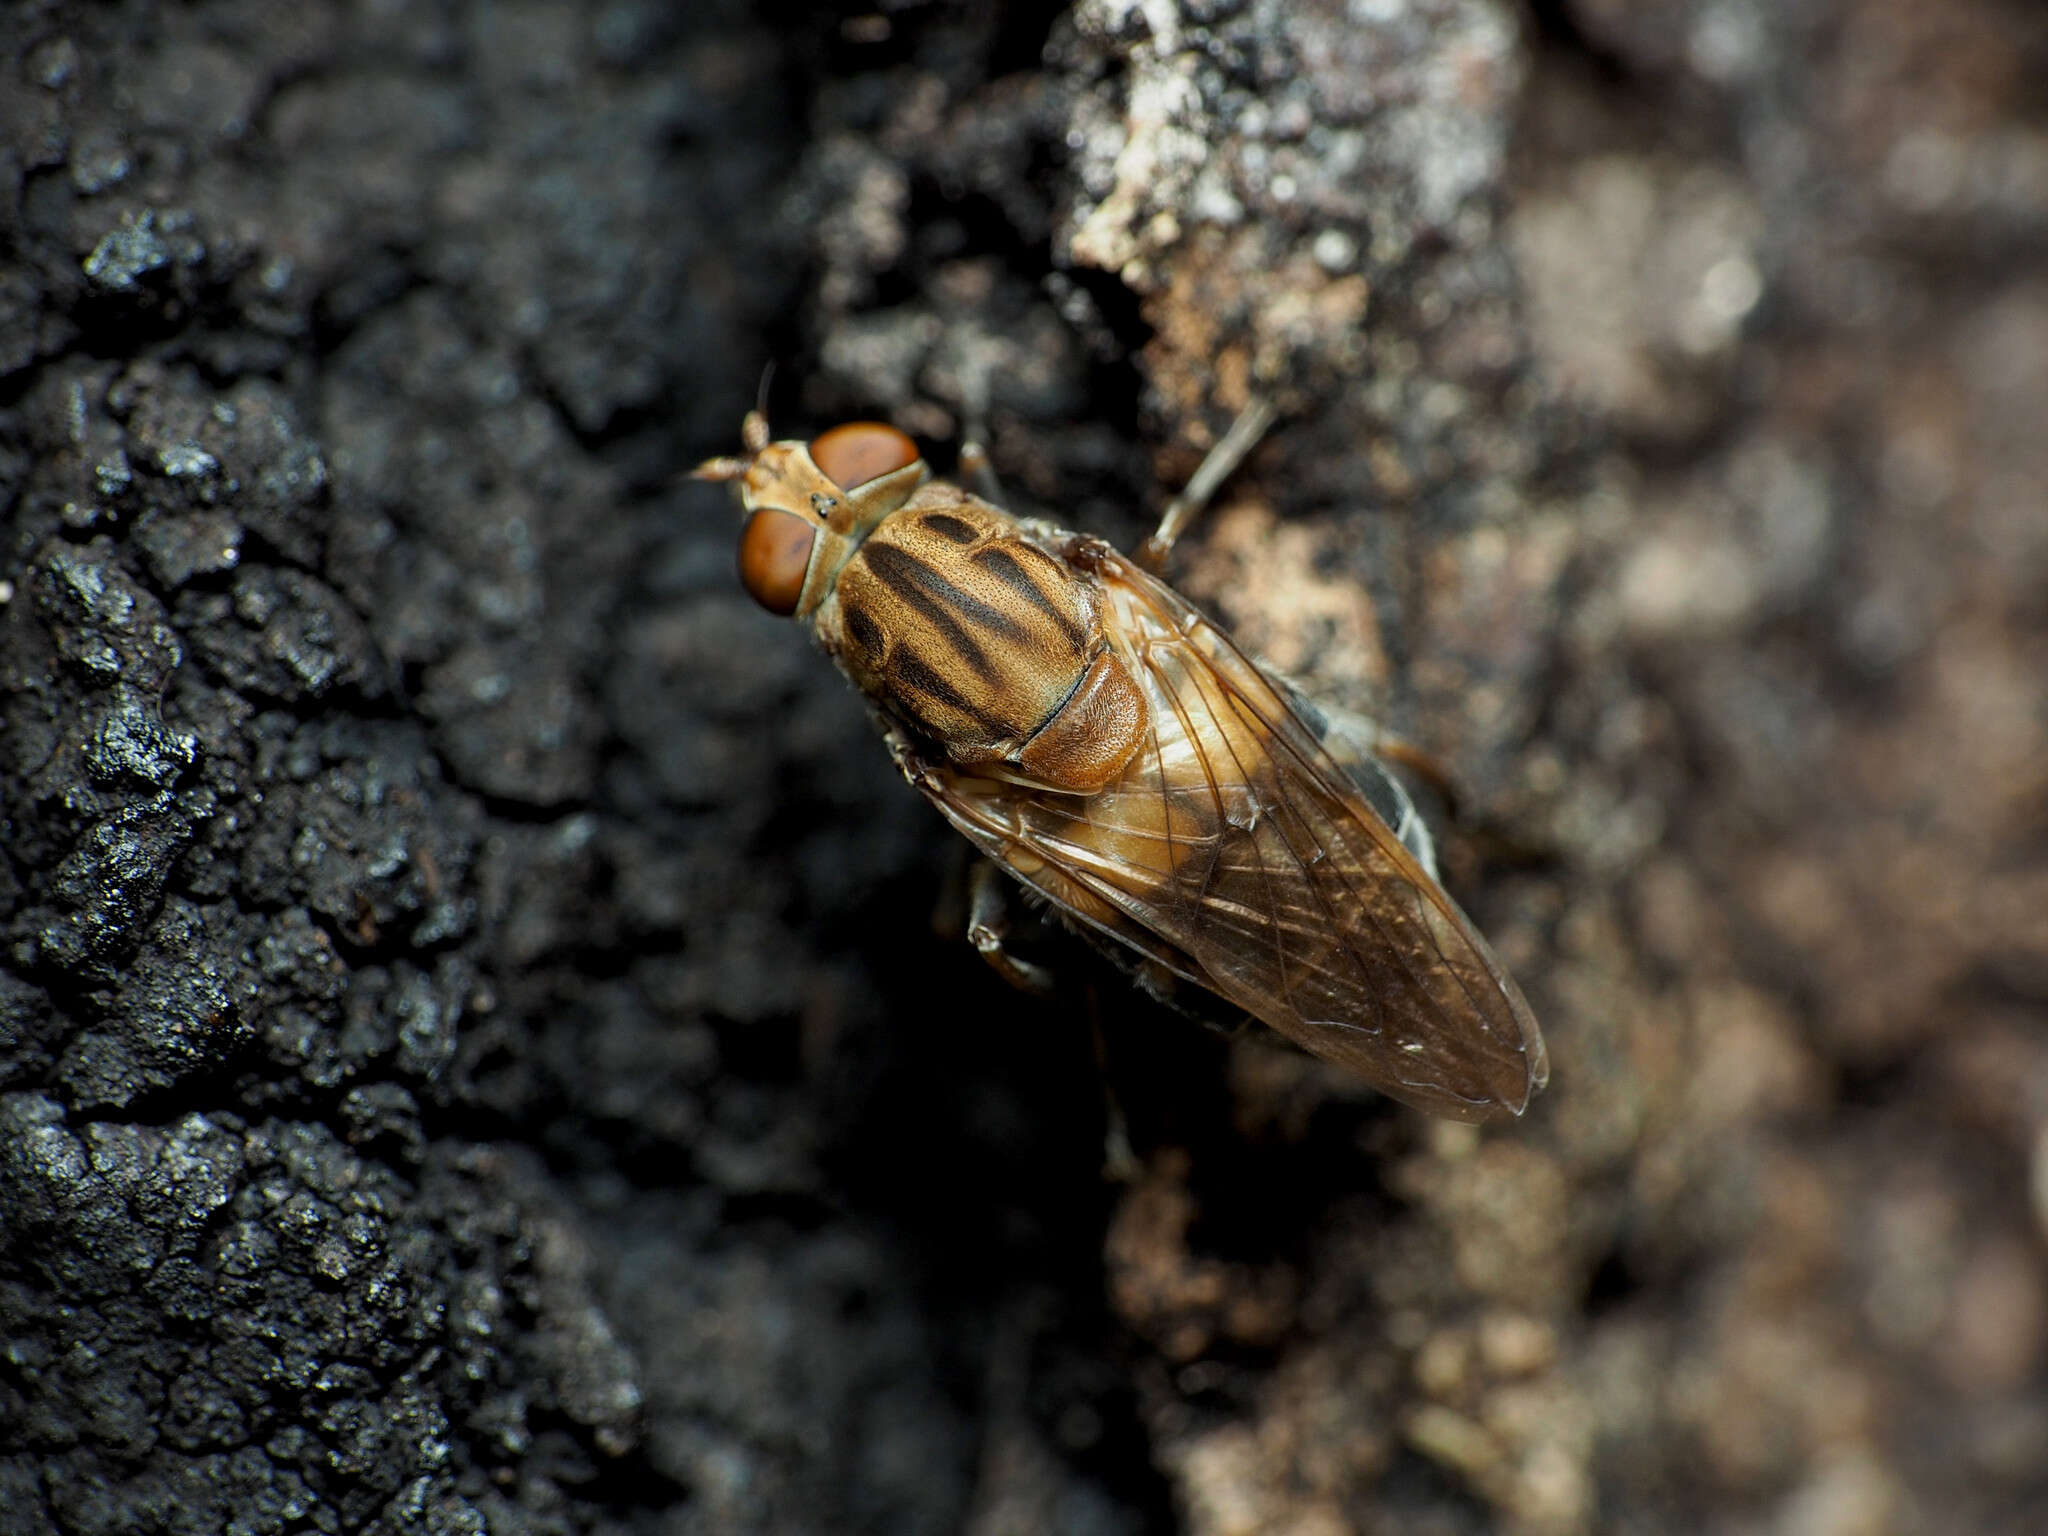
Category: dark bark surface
[474,1051]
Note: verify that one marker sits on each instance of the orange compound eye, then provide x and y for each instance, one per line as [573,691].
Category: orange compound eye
[856,453]
[775,552]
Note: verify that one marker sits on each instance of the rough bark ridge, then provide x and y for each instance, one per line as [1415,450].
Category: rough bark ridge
[473,1055]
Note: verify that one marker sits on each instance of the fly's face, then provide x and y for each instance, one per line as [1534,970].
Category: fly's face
[937,605]
[809,505]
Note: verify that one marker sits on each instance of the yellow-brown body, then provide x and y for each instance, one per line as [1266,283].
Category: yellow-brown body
[1115,752]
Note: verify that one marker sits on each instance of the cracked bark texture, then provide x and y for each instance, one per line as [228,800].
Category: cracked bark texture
[473,1051]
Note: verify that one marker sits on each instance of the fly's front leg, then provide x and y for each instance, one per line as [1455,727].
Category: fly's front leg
[1229,452]
[974,465]
[909,762]
[988,924]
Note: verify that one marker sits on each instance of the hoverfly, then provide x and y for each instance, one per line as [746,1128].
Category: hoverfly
[1092,734]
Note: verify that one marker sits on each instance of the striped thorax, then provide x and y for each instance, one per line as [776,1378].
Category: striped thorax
[943,609]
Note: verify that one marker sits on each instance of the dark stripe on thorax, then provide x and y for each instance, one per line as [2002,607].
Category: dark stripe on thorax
[1006,568]
[947,526]
[942,603]
[911,672]
[867,634]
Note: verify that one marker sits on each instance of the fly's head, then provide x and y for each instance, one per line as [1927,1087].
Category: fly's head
[809,505]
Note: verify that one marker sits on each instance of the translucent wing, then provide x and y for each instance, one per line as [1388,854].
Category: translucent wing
[1237,854]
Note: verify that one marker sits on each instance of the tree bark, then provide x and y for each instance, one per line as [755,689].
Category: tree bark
[474,1051]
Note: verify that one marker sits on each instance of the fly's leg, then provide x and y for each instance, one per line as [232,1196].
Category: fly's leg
[988,909]
[974,904]
[1229,452]
[1426,767]
[1366,752]
[1119,1163]
[988,906]
[988,924]
[974,465]
[1368,746]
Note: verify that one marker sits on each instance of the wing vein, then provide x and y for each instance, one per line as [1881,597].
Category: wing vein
[1201,751]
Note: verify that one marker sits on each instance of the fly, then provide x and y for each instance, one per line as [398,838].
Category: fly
[1097,738]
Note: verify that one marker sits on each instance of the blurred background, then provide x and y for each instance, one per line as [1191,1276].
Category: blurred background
[475,1051]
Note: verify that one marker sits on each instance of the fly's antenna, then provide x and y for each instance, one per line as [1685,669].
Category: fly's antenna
[753,437]
[721,469]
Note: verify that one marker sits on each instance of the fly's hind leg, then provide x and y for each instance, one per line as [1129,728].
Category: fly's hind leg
[1427,767]
[1366,753]
[1209,475]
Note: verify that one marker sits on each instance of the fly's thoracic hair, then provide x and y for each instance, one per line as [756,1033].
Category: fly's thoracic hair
[1113,750]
